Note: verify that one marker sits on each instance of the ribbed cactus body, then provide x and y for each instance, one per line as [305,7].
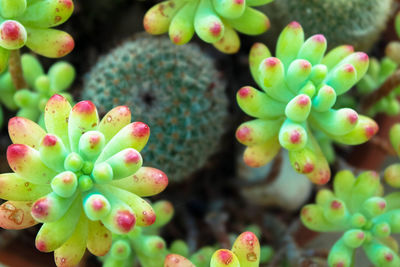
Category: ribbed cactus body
[354,22]
[176,90]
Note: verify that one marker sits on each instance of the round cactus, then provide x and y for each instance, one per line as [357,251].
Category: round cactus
[357,208]
[83,179]
[29,23]
[355,22]
[300,88]
[177,91]
[214,21]
[31,103]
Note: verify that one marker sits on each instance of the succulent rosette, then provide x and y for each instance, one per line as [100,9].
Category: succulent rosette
[24,22]
[245,252]
[357,208]
[83,179]
[300,86]
[214,21]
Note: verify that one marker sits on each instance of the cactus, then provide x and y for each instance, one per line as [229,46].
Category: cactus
[177,91]
[142,244]
[31,103]
[300,88]
[214,21]
[30,23]
[83,179]
[355,22]
[357,208]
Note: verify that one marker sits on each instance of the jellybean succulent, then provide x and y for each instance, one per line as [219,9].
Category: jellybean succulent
[392,173]
[357,208]
[214,21]
[31,103]
[377,74]
[300,86]
[143,243]
[245,252]
[83,178]
[24,22]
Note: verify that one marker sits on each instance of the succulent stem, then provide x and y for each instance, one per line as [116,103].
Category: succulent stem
[391,83]
[15,69]
[383,145]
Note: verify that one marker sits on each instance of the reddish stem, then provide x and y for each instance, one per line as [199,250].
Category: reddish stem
[391,83]
[15,69]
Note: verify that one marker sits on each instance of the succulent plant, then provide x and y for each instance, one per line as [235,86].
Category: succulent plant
[214,21]
[142,245]
[83,179]
[177,91]
[392,173]
[31,103]
[357,208]
[30,23]
[300,88]
[7,92]
[245,252]
[355,22]
[377,74]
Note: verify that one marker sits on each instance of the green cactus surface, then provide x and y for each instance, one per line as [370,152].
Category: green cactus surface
[355,22]
[176,90]
[214,21]
[83,178]
[300,86]
[30,23]
[30,104]
[357,208]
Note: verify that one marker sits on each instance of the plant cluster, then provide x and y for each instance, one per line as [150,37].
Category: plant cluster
[30,23]
[300,86]
[31,103]
[214,21]
[83,178]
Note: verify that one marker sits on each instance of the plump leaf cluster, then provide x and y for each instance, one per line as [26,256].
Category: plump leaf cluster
[83,178]
[214,21]
[30,23]
[356,206]
[30,102]
[299,89]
